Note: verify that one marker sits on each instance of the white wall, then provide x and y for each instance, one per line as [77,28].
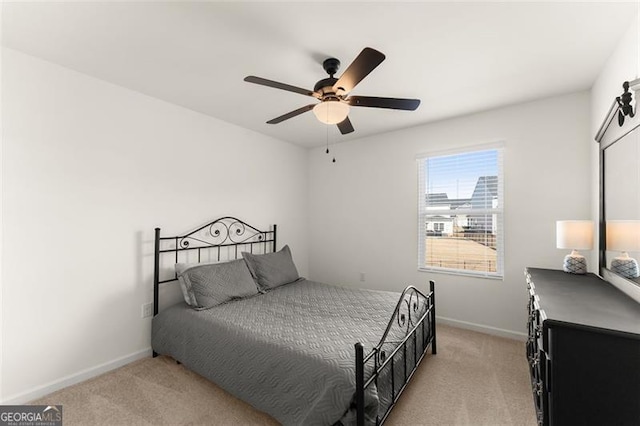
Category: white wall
[363,208]
[623,65]
[89,169]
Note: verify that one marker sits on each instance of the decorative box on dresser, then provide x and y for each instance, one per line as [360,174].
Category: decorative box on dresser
[583,350]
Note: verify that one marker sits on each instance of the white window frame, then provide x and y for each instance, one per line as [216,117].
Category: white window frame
[498,211]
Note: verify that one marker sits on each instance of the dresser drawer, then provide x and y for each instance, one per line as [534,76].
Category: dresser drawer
[535,318]
[538,386]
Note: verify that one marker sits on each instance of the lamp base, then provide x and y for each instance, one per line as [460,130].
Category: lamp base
[575,264]
[625,266]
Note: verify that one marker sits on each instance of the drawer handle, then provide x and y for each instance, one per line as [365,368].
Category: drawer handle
[535,359]
[537,388]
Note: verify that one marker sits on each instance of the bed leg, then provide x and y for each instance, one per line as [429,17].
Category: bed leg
[156,276]
[432,286]
[156,271]
[359,384]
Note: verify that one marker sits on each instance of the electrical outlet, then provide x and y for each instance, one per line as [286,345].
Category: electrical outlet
[362,277]
[147,310]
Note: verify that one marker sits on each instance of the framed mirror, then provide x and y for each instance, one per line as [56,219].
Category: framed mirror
[620,196]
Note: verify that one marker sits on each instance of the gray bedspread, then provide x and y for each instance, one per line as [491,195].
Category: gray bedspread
[289,352]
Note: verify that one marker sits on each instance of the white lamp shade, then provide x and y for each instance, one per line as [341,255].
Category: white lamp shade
[623,235]
[574,234]
[331,111]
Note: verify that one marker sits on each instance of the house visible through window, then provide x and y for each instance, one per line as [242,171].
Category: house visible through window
[460,212]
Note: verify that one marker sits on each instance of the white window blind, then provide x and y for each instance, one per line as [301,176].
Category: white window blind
[460,211]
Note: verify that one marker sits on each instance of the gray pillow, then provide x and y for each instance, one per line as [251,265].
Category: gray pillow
[208,285]
[273,269]
[187,293]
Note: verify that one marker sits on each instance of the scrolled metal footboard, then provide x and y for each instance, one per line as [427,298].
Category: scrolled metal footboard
[409,333]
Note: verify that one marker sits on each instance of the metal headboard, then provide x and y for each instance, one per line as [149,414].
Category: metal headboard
[226,232]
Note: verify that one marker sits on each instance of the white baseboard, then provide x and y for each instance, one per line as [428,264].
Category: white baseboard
[516,335]
[46,389]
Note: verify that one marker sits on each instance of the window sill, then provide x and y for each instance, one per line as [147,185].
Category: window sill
[461,273]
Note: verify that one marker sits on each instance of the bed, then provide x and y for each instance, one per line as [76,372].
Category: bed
[304,352]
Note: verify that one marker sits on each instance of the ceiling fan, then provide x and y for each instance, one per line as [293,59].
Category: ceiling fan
[333,93]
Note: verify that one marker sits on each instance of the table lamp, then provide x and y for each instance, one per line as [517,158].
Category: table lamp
[575,235]
[624,236]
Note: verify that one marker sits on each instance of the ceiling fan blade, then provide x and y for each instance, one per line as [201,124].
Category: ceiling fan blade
[364,63]
[345,126]
[291,114]
[390,103]
[277,85]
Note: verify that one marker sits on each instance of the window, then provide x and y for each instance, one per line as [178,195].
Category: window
[460,211]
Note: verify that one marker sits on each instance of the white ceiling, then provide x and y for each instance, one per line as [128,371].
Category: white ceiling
[458,58]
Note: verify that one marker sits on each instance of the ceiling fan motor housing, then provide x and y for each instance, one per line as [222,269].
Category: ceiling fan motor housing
[325,86]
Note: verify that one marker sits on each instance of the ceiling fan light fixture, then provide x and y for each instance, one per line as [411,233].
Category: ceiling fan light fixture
[331,111]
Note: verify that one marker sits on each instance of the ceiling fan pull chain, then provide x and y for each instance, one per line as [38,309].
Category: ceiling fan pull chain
[327,151]
[327,127]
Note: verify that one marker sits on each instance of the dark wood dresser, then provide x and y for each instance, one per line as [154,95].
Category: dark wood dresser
[583,350]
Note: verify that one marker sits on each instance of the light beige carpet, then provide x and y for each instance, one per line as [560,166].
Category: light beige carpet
[475,379]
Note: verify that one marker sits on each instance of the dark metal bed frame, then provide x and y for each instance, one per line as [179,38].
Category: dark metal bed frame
[414,314]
